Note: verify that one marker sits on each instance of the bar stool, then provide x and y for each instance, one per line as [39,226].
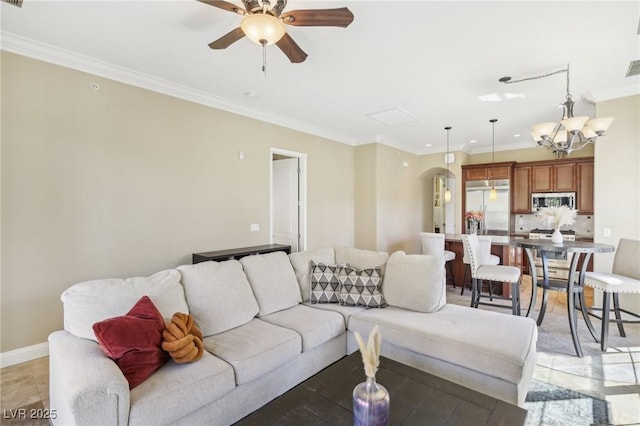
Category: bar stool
[489,259]
[624,278]
[433,243]
[500,273]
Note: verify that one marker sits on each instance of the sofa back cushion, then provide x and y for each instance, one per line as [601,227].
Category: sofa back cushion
[301,262]
[92,301]
[415,282]
[273,281]
[219,295]
[361,259]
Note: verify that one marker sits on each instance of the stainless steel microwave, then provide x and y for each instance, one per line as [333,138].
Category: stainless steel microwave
[552,199]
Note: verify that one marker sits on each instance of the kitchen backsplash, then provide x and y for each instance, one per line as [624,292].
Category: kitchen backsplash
[523,223]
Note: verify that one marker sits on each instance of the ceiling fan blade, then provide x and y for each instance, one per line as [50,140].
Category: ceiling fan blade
[224,5]
[341,17]
[291,49]
[227,39]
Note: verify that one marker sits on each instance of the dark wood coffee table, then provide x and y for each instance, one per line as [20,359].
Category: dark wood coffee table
[417,398]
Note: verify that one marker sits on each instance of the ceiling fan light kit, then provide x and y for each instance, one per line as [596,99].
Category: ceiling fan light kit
[571,133]
[262,29]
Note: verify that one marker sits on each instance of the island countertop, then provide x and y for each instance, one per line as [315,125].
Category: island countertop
[496,240]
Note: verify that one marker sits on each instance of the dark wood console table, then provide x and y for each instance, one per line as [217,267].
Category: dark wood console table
[237,253]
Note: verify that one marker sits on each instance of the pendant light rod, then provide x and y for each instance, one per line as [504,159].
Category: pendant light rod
[447,192]
[493,195]
[493,140]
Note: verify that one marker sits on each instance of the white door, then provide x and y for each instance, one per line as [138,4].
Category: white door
[286,203]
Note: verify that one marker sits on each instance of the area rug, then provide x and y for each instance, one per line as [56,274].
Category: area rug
[550,405]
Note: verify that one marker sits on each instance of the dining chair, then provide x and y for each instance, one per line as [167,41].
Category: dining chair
[433,243]
[624,278]
[481,271]
[488,259]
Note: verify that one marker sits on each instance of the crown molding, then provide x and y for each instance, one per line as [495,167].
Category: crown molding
[618,92]
[44,52]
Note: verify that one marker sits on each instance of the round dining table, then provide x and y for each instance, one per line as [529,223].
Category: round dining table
[581,252]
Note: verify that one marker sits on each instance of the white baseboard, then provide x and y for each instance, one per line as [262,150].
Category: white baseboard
[23,354]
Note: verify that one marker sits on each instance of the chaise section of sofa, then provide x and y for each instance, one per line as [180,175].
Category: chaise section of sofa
[461,344]
[464,345]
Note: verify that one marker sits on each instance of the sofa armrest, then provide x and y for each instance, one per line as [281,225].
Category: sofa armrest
[86,387]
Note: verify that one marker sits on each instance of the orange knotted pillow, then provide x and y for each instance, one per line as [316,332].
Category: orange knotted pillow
[183,339]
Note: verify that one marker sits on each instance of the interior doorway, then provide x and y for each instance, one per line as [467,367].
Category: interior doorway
[443,211]
[288,199]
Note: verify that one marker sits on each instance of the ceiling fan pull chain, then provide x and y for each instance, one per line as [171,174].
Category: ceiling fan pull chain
[264,59]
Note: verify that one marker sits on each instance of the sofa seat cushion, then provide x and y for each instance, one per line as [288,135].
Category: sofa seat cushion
[493,343]
[344,310]
[273,281]
[219,295]
[255,348]
[301,261]
[314,326]
[92,301]
[176,390]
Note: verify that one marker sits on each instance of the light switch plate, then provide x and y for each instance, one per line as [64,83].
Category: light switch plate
[255,227]
[606,232]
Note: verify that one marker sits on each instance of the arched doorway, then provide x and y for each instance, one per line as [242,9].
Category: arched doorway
[438,215]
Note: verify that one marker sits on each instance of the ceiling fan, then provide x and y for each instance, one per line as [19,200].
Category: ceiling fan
[264,24]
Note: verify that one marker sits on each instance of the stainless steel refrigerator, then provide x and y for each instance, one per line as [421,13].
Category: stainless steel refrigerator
[496,212]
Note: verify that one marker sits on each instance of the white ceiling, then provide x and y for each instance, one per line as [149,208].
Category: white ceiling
[432,60]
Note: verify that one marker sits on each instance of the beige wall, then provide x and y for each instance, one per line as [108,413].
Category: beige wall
[388,200]
[123,182]
[399,200]
[366,197]
[617,181]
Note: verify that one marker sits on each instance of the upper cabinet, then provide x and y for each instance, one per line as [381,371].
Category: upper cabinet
[521,193]
[584,181]
[553,177]
[487,171]
[567,175]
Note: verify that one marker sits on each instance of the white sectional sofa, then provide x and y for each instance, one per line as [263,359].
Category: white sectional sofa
[263,336]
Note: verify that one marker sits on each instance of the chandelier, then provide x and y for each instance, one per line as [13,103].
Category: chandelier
[572,133]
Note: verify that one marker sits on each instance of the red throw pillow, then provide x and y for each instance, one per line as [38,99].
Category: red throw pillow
[134,341]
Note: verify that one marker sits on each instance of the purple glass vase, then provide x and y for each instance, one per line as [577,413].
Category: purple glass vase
[370,404]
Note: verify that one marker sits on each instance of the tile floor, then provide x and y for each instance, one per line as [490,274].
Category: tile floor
[24,392]
[24,388]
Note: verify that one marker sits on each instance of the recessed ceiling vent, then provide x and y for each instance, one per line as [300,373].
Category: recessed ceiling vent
[393,116]
[634,68]
[14,2]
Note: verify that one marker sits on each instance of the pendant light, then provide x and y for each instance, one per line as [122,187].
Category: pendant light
[493,194]
[447,192]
